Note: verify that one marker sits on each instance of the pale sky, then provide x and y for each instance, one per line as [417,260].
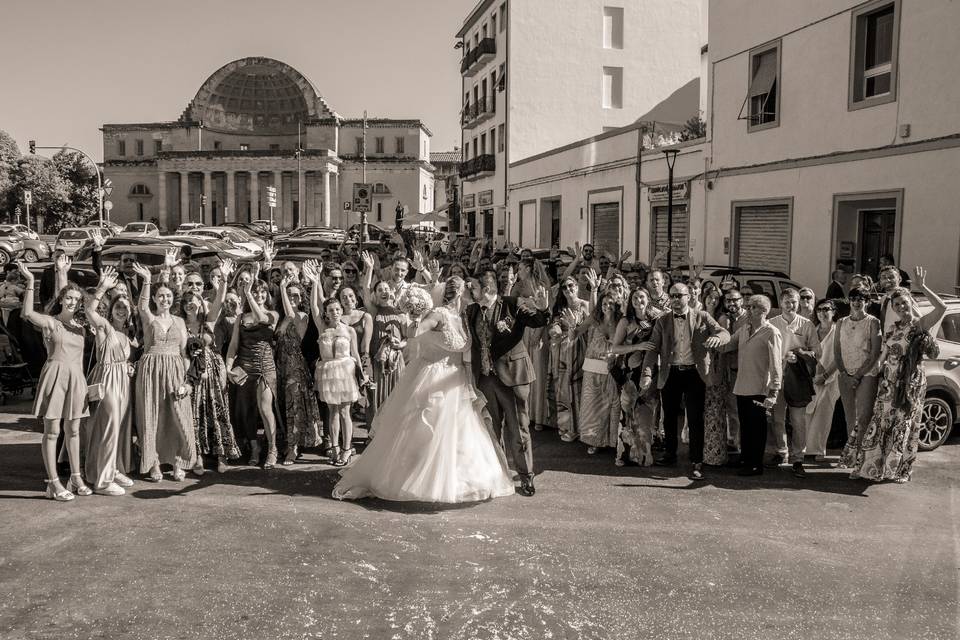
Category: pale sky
[70,66]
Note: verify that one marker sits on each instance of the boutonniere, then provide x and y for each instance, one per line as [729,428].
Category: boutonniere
[505,325]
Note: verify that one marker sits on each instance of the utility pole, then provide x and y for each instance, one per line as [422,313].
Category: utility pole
[671,155]
[363,157]
[296,222]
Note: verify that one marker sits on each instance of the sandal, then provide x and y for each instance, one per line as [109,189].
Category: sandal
[155,474]
[345,457]
[198,469]
[61,494]
[178,473]
[271,460]
[221,465]
[77,486]
[291,457]
[336,456]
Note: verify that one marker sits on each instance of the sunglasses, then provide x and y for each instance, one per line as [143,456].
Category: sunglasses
[194,283]
[805,297]
[677,296]
[824,309]
[734,299]
[349,270]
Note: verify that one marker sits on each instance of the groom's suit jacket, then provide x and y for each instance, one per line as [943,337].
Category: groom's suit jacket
[511,362]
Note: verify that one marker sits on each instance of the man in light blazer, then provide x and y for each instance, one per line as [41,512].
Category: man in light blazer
[683,339]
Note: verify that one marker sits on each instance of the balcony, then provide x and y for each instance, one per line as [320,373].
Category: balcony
[474,114]
[479,167]
[474,60]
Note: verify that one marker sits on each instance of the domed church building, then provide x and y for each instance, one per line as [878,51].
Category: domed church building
[257,123]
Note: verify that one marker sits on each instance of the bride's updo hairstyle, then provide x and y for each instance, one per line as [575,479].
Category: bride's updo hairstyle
[453,288]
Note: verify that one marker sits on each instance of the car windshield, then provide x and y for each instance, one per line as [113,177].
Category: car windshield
[237,236]
[134,226]
[73,234]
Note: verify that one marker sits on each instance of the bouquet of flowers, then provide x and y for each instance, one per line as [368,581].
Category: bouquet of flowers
[415,302]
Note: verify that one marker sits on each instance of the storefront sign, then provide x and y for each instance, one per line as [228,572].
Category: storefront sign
[469,200]
[660,192]
[485,198]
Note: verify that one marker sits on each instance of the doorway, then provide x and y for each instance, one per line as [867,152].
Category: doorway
[878,229]
[865,226]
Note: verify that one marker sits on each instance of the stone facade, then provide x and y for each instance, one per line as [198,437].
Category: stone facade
[257,122]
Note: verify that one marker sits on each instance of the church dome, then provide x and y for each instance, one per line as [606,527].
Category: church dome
[256,95]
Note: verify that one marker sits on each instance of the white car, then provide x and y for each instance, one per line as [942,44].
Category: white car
[72,239]
[237,237]
[140,230]
[22,229]
[187,227]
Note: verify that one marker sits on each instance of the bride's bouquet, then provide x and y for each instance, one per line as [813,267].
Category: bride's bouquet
[415,302]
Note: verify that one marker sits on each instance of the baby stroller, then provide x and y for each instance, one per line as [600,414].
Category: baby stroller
[14,373]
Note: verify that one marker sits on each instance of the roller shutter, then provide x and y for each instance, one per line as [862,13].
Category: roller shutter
[763,237]
[681,235]
[606,228]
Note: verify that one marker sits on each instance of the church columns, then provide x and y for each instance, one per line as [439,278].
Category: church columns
[184,196]
[162,202]
[326,198]
[230,214]
[208,196]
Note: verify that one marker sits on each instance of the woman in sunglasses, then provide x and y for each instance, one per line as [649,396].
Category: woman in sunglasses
[826,387]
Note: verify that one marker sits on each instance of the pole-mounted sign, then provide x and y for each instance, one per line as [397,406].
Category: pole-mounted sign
[362,197]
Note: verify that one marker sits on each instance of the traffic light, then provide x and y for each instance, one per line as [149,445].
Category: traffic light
[33,146]
[203,200]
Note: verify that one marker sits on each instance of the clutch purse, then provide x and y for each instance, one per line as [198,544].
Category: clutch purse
[95,392]
[239,376]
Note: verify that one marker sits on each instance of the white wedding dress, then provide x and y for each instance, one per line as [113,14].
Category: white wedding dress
[432,444]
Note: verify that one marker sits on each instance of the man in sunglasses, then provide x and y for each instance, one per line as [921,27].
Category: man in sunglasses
[682,339]
[734,318]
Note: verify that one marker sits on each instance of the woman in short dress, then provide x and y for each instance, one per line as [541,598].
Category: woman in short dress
[164,416]
[362,323]
[61,394]
[251,367]
[886,447]
[300,411]
[112,421]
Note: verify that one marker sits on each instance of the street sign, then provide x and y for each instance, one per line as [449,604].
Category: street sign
[107,205]
[271,196]
[362,196]
[107,186]
[348,206]
[27,196]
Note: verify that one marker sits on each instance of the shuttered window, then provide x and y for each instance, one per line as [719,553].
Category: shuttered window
[762,237]
[606,228]
[681,235]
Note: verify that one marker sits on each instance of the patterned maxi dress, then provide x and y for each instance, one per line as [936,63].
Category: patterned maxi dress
[109,431]
[715,415]
[638,410]
[214,431]
[164,422]
[887,447]
[599,398]
[564,377]
[301,413]
[387,361]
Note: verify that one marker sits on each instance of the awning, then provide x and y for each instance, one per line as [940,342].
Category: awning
[765,75]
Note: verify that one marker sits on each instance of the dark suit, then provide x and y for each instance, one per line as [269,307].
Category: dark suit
[507,386]
[683,386]
[835,291]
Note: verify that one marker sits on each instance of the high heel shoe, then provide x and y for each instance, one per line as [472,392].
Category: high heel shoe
[336,456]
[60,495]
[221,465]
[291,457]
[254,453]
[345,456]
[77,486]
[271,460]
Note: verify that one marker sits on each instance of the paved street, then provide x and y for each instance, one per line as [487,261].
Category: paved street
[600,552]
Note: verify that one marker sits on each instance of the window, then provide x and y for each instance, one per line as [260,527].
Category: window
[274,147]
[950,328]
[493,25]
[502,84]
[379,143]
[483,31]
[121,147]
[764,93]
[503,16]
[424,192]
[466,150]
[244,147]
[379,212]
[476,147]
[613,27]
[501,139]
[873,57]
[139,147]
[483,144]
[493,140]
[612,87]
[381,189]
[359,145]
[217,145]
[492,107]
[399,144]
[139,190]
[157,146]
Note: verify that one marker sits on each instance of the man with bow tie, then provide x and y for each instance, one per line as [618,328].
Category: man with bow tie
[685,341]
[502,368]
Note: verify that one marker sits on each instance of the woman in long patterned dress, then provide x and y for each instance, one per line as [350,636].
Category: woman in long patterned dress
[301,414]
[886,448]
[112,420]
[164,416]
[638,409]
[208,376]
[717,391]
[530,275]
[61,394]
[251,367]
[599,398]
[565,359]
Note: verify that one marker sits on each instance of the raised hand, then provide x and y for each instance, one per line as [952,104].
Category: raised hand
[63,263]
[625,256]
[269,252]
[142,271]
[311,270]
[591,277]
[541,299]
[25,273]
[171,258]
[417,261]
[227,267]
[98,239]
[108,279]
[921,276]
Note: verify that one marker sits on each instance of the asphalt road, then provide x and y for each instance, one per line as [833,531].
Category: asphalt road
[599,552]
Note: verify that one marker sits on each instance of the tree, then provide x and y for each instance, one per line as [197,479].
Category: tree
[50,191]
[81,182]
[693,129]
[9,157]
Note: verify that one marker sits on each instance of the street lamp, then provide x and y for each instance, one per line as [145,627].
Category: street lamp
[671,155]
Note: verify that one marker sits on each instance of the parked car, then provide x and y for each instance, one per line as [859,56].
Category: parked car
[769,283]
[374,232]
[72,239]
[325,233]
[34,248]
[941,406]
[111,228]
[236,237]
[265,226]
[22,229]
[202,243]
[187,227]
[140,230]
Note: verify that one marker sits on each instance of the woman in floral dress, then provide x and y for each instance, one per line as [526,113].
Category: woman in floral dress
[300,411]
[886,448]
[718,389]
[565,355]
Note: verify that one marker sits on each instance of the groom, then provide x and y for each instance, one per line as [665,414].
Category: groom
[502,368]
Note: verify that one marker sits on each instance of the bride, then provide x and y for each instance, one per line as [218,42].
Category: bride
[431,444]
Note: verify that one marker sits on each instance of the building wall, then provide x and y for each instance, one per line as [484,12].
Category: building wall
[814,79]
[124,203]
[405,181]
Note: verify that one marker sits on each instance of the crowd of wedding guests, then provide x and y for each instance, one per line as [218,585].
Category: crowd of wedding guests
[194,367]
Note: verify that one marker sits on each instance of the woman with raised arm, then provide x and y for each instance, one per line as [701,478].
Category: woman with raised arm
[251,366]
[207,375]
[164,417]
[61,394]
[565,359]
[886,447]
[110,428]
[301,414]
[362,323]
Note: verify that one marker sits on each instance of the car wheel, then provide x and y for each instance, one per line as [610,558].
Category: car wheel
[4,258]
[30,256]
[936,422]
